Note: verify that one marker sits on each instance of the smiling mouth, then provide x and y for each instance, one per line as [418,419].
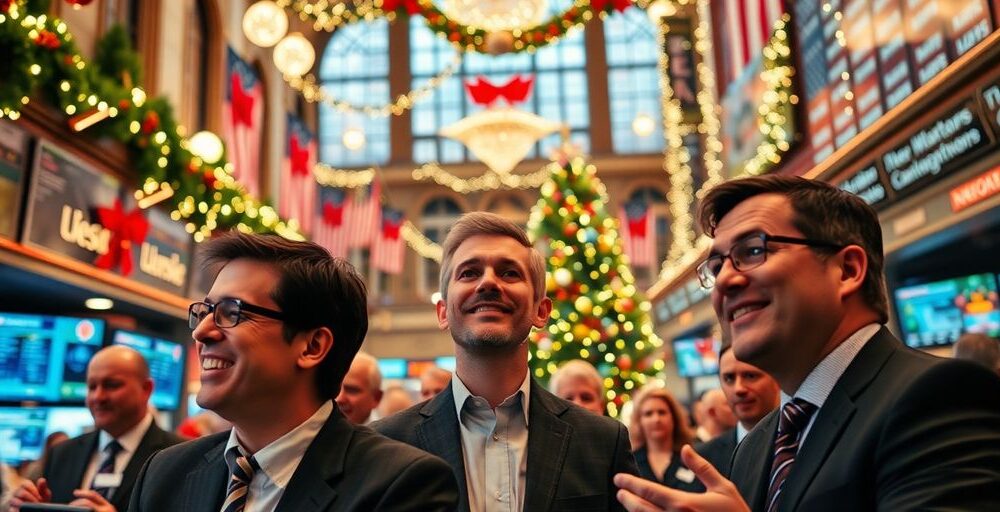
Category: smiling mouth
[741,311]
[212,363]
[488,308]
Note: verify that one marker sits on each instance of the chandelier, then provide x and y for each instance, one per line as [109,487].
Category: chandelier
[497,15]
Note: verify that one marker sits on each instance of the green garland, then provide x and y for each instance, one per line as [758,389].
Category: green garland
[41,58]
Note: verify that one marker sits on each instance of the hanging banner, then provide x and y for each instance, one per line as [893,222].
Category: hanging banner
[297,185]
[243,121]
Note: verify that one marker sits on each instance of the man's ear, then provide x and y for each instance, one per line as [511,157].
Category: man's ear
[853,267]
[542,312]
[442,314]
[318,343]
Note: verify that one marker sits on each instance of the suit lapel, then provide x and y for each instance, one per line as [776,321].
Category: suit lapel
[205,486]
[548,441]
[80,459]
[751,466]
[834,416]
[440,435]
[313,485]
[149,443]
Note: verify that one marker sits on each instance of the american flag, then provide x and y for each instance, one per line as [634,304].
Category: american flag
[243,119]
[297,186]
[364,215]
[330,227]
[638,233]
[388,246]
[748,27]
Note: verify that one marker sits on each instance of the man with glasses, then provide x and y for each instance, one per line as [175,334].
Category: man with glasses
[866,423]
[275,337]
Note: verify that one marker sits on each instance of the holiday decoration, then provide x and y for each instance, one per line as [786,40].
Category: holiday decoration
[294,55]
[265,23]
[598,315]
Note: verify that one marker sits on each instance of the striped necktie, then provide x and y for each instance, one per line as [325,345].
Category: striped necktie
[794,418]
[241,468]
[107,467]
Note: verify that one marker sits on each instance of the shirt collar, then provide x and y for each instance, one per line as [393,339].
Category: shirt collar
[281,457]
[462,393]
[740,432]
[129,440]
[820,381]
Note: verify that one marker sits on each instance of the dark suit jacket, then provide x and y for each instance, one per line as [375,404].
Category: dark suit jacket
[670,476]
[719,451]
[68,461]
[346,468]
[901,430]
[572,453]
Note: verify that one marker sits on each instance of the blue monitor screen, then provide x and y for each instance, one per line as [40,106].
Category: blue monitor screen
[166,366]
[44,358]
[23,430]
[937,313]
[697,356]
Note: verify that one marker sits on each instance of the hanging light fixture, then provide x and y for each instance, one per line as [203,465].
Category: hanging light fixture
[643,125]
[294,55]
[265,23]
[207,146]
[354,139]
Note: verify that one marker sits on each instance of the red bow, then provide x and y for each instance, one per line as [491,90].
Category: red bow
[333,216]
[126,229]
[514,91]
[299,157]
[241,103]
[618,5]
[412,6]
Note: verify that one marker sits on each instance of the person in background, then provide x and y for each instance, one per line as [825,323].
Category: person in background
[659,431]
[275,337]
[36,468]
[578,381]
[751,394]
[202,424]
[717,415]
[362,390]
[433,381]
[396,398]
[97,470]
[980,349]
[698,416]
[866,423]
[511,444]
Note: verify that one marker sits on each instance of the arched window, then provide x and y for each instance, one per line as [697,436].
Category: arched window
[657,201]
[436,219]
[355,68]
[559,92]
[633,80]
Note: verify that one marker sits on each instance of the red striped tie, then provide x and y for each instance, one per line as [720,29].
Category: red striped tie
[794,418]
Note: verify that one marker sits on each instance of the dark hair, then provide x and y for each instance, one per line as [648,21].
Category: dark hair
[314,290]
[484,223]
[821,212]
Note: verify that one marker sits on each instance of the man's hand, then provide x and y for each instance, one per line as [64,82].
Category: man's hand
[638,495]
[91,499]
[30,492]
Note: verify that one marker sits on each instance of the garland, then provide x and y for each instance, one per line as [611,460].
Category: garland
[42,58]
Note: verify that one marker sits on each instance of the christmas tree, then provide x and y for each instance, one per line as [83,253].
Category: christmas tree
[597,315]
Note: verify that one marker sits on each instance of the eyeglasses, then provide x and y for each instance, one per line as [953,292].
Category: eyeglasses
[227,312]
[748,254]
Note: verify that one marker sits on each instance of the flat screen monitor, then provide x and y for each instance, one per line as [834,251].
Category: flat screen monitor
[166,365]
[44,358]
[697,355]
[937,313]
[23,429]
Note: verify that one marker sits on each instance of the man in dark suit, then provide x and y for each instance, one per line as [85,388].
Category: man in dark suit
[866,423]
[97,470]
[509,442]
[275,336]
[751,394]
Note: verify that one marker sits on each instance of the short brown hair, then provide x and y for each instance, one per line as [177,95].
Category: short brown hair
[314,290]
[682,430]
[484,223]
[821,212]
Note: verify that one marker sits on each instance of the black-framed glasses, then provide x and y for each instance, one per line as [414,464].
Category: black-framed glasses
[227,312]
[750,253]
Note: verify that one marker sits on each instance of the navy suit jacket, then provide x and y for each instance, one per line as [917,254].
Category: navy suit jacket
[901,430]
[68,461]
[572,453]
[719,451]
[346,468]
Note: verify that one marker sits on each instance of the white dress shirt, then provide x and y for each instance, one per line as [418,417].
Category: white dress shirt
[494,447]
[130,442]
[821,380]
[279,460]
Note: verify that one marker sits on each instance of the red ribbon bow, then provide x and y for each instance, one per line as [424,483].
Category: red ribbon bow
[299,157]
[126,229]
[514,91]
[241,103]
[618,5]
[412,6]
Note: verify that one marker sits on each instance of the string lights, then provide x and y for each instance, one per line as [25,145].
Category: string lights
[488,181]
[341,178]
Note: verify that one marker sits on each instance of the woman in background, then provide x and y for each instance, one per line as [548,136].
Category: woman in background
[659,429]
[578,381]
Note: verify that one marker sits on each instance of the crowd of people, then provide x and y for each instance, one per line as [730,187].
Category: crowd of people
[819,406]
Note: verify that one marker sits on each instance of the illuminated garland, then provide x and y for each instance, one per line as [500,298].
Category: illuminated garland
[340,178]
[488,181]
[417,241]
[317,93]
[204,197]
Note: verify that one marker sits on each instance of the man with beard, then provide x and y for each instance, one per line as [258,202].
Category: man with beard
[511,444]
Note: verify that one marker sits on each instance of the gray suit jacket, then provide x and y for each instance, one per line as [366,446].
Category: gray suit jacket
[901,430]
[346,468]
[572,453]
[68,461]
